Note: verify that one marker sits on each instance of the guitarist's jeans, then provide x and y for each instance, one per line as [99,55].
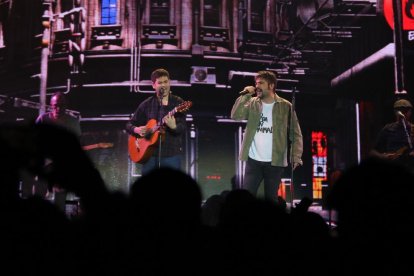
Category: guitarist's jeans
[170,162]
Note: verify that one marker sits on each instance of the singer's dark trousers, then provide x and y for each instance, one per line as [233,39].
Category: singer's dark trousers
[256,171]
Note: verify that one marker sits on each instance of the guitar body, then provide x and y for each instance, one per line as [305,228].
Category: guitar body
[141,148]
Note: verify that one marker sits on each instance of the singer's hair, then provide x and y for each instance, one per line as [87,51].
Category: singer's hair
[158,73]
[268,76]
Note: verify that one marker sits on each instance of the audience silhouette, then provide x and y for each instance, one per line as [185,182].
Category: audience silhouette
[161,225]
[166,208]
[374,208]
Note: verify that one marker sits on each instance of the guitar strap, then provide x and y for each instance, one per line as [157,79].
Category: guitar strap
[408,132]
[411,133]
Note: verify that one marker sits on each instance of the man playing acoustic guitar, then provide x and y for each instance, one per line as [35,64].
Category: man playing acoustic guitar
[395,140]
[159,118]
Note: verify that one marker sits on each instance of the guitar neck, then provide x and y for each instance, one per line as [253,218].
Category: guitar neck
[172,112]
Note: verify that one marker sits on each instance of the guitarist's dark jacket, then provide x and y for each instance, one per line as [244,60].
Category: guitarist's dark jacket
[393,138]
[151,109]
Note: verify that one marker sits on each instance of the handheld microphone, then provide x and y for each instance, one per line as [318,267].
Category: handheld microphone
[399,113]
[245,91]
[160,92]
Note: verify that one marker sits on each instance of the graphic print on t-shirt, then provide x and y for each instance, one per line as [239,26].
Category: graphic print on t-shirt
[264,126]
[261,148]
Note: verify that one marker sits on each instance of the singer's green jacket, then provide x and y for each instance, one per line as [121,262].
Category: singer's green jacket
[249,108]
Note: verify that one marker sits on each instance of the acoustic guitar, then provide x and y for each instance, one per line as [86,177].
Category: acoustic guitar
[141,148]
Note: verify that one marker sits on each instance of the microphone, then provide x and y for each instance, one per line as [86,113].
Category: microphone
[160,92]
[245,91]
[399,113]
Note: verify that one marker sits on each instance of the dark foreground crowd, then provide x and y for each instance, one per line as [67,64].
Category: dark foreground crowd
[161,226]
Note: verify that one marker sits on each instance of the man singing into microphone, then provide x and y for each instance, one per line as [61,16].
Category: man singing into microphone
[173,127]
[395,140]
[271,124]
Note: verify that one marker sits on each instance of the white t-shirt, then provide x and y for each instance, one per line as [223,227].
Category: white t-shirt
[261,148]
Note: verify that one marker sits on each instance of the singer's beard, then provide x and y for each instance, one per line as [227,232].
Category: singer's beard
[259,94]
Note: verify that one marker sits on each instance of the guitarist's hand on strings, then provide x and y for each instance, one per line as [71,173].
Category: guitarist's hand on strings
[141,131]
[169,120]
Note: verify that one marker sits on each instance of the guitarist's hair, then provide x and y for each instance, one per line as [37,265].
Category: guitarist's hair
[157,73]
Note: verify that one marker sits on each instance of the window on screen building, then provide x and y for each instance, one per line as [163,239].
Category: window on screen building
[257,15]
[160,12]
[108,12]
[65,6]
[211,10]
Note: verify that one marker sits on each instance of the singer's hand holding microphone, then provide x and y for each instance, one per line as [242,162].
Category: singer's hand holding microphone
[248,90]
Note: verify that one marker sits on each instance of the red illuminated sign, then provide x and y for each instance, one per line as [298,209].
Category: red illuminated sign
[407,13]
